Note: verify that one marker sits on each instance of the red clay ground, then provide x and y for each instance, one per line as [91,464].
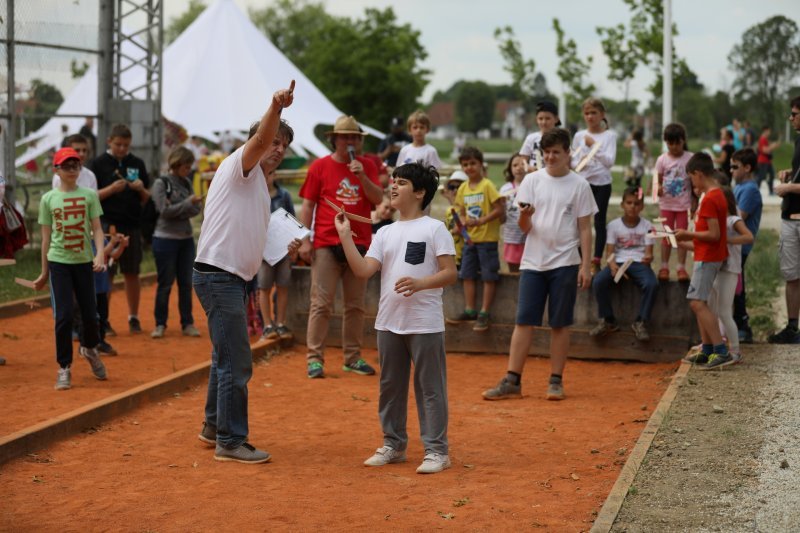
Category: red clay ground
[516,464]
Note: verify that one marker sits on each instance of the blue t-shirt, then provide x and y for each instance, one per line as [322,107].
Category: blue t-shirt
[748,199]
[282,199]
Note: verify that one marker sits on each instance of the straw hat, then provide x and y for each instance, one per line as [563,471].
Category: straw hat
[346,124]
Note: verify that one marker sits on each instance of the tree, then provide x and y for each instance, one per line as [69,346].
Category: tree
[78,69]
[623,56]
[474,106]
[368,67]
[181,22]
[523,72]
[572,70]
[45,100]
[765,61]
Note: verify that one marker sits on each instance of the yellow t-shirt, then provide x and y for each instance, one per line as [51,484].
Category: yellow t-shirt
[477,202]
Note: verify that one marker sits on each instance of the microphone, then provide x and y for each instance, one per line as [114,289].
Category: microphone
[351,151]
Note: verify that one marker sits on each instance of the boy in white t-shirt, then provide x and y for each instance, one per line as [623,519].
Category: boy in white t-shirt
[556,206]
[419,125]
[416,258]
[625,239]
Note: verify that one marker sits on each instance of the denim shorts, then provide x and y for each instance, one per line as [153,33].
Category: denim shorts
[703,276]
[558,288]
[480,260]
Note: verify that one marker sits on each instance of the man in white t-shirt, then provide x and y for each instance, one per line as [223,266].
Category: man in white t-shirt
[556,206]
[416,257]
[625,239]
[229,252]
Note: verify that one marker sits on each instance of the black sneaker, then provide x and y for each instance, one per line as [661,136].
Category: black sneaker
[697,358]
[134,326]
[284,332]
[482,324]
[785,336]
[716,360]
[463,317]
[105,349]
[246,453]
[109,330]
[208,434]
[745,335]
[360,367]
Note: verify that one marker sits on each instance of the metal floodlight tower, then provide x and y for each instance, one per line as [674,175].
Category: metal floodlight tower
[129,73]
[666,86]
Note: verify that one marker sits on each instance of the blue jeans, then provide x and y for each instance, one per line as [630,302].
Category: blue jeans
[223,298]
[644,278]
[174,258]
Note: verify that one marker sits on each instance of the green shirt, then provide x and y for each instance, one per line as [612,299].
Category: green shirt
[70,216]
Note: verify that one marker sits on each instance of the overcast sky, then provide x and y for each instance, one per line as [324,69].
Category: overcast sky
[458,35]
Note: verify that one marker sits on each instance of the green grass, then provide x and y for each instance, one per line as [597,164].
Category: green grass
[763,277]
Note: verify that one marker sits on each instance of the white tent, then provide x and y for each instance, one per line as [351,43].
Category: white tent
[218,75]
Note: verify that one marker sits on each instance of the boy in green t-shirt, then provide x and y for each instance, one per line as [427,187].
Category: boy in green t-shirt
[68,216]
[480,207]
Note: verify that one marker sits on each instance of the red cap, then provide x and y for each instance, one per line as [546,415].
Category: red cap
[64,154]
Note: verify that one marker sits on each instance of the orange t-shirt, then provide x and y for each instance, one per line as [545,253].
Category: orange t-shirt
[713,205]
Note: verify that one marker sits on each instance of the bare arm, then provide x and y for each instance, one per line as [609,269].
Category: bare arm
[745,235]
[710,235]
[306,216]
[257,145]
[363,267]
[525,214]
[99,263]
[40,282]
[585,231]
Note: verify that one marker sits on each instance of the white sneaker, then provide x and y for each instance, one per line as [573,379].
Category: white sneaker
[64,380]
[385,455]
[434,462]
[91,355]
[158,333]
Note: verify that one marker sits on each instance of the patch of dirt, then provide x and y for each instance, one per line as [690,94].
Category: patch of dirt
[517,464]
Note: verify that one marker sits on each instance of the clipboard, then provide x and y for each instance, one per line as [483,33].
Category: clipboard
[585,161]
[282,230]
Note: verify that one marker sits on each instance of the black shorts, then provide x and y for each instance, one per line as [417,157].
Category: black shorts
[131,259]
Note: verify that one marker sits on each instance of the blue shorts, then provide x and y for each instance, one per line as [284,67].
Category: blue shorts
[480,260]
[558,288]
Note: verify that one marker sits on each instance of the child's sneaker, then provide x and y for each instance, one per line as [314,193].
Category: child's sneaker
[737,357]
[190,331]
[134,326]
[64,379]
[105,348]
[269,332]
[158,333]
[503,391]
[284,332]
[91,355]
[360,367]
[555,391]
[716,360]
[663,274]
[697,358]
[433,463]
[603,328]
[385,455]
[640,331]
[463,317]
[683,275]
[315,370]
[482,324]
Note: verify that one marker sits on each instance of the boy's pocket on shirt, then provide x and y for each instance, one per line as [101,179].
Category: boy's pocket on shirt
[415,253]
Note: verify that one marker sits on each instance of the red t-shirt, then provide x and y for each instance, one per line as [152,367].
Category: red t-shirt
[328,179]
[713,205]
[763,157]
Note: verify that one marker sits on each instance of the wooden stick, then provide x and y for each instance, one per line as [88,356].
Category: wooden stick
[671,236]
[351,216]
[7,262]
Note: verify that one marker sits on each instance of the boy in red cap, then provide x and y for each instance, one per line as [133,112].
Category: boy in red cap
[68,216]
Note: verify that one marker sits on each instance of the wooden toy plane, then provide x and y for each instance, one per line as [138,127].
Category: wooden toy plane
[7,262]
[588,157]
[351,216]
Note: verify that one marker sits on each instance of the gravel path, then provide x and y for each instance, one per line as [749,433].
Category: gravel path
[727,457]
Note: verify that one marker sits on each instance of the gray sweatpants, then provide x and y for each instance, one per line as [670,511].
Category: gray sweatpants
[426,351]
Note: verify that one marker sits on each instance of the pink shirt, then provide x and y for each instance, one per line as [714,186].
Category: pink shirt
[675,182]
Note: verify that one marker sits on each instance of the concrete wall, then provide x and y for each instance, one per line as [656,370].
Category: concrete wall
[671,326]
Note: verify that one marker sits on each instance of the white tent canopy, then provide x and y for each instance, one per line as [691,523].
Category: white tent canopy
[218,75]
